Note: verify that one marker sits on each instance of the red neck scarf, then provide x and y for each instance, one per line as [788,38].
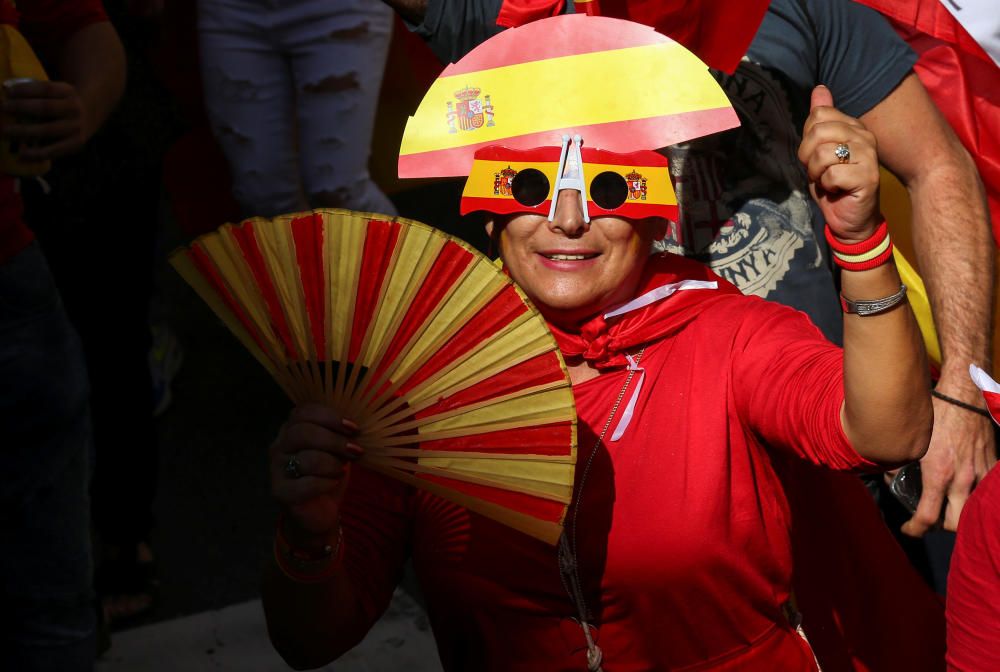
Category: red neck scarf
[672,292]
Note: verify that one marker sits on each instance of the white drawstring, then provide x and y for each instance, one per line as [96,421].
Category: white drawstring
[659,293]
[630,407]
[652,296]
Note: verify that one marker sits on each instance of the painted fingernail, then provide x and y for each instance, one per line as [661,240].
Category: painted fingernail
[354,449]
[350,424]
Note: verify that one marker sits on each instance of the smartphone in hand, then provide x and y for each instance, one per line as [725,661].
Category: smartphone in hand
[907,486]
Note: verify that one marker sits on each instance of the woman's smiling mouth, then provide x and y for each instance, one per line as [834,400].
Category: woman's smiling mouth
[563,256]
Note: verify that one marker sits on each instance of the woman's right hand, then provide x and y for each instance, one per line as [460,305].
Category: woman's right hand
[309,472]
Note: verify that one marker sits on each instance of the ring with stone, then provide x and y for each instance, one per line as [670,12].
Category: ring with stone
[292,467]
[843,153]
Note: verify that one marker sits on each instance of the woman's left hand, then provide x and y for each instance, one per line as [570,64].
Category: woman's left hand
[846,190]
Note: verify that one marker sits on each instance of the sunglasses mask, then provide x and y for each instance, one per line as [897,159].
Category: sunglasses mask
[508,181]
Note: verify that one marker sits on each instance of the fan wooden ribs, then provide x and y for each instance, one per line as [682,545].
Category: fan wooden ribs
[453,377]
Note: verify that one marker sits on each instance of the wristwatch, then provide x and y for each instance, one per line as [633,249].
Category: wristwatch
[874,306]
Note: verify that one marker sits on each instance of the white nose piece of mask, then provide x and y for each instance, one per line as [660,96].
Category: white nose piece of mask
[570,175]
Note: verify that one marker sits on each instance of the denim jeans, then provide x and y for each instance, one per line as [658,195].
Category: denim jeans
[291,88]
[47,612]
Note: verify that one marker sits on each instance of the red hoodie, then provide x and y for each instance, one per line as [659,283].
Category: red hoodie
[692,527]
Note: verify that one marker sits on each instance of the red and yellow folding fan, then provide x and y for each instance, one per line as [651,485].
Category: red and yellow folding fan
[620,85]
[453,376]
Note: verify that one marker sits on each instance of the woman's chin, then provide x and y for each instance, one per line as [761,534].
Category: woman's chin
[567,315]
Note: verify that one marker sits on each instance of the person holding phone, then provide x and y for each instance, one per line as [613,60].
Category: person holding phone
[46,575]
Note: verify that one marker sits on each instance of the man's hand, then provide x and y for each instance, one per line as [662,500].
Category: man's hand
[49,119]
[946,194]
[960,453]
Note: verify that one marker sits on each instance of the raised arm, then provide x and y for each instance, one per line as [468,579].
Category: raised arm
[954,247]
[887,412]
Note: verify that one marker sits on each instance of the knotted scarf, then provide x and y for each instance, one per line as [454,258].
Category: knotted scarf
[660,307]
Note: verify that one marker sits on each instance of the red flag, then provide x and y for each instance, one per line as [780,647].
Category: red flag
[961,78]
[990,389]
[717,31]
[514,13]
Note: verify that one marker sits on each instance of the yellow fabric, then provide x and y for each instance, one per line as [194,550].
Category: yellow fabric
[895,203]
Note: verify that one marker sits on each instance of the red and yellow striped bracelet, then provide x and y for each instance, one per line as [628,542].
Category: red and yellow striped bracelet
[862,256]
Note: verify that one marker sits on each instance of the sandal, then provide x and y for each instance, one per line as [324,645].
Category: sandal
[126,584]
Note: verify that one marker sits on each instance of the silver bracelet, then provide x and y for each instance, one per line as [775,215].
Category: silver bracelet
[873,306]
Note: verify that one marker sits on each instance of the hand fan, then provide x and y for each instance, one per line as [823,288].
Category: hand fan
[454,378]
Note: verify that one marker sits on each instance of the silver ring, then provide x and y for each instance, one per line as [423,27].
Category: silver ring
[292,467]
[843,153]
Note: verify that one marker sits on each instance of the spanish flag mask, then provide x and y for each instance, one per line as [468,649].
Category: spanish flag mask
[505,181]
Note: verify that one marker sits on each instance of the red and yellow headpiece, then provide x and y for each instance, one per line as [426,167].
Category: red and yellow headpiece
[498,115]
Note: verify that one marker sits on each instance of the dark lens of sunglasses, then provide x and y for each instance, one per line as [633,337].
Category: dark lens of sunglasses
[530,187]
[608,190]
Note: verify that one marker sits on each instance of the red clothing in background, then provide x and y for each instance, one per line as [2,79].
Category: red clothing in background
[974,583]
[46,24]
[683,525]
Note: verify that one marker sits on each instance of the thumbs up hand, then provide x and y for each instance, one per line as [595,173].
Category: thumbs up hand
[840,157]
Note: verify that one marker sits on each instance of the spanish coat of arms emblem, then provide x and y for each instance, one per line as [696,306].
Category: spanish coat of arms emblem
[503,182]
[468,112]
[636,186]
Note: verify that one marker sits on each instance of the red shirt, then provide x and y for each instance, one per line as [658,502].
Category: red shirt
[974,582]
[46,24]
[683,527]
